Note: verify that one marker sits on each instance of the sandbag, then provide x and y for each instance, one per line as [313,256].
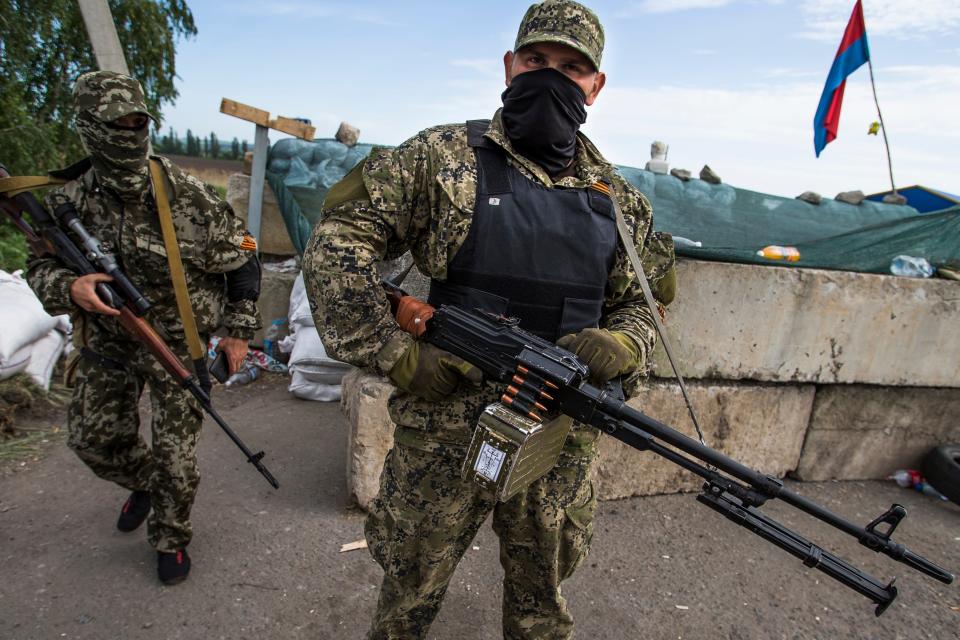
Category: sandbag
[16,363]
[22,317]
[306,390]
[44,355]
[310,359]
[298,314]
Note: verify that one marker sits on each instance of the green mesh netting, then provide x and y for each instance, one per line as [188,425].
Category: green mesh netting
[730,224]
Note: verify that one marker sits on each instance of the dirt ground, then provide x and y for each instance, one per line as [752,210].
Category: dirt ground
[267,563]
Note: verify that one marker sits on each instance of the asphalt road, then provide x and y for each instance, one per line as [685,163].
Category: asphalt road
[267,563]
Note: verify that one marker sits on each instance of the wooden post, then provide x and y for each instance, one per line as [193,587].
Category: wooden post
[103,36]
[261,144]
[258,172]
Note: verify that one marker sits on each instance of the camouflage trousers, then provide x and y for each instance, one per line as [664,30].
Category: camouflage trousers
[104,425]
[426,516]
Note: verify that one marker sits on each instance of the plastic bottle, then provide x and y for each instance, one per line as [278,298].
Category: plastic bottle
[271,336]
[912,479]
[911,266]
[776,252]
[245,376]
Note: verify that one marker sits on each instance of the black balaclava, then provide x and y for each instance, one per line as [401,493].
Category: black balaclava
[542,112]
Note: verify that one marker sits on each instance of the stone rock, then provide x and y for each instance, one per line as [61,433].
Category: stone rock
[867,433]
[810,196]
[347,134]
[683,174]
[709,175]
[851,197]
[760,426]
[274,238]
[364,403]
[894,198]
[750,322]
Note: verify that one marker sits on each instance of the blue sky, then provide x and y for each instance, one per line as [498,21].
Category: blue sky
[729,83]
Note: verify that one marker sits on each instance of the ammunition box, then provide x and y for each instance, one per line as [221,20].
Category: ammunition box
[509,451]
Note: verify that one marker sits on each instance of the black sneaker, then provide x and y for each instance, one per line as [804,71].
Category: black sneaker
[173,567]
[134,511]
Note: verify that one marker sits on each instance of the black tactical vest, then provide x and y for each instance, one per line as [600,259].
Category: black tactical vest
[539,254]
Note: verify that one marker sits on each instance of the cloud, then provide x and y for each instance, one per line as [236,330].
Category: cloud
[903,19]
[671,6]
[761,137]
[313,10]
[486,67]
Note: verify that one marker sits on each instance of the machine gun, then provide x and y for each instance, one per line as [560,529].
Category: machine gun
[121,294]
[542,380]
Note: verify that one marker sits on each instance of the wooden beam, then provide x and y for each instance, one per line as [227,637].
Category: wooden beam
[293,127]
[245,112]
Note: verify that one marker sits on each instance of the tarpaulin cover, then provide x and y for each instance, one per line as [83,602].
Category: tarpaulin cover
[731,224]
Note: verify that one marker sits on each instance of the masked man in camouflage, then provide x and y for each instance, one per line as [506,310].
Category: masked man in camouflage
[513,215]
[112,193]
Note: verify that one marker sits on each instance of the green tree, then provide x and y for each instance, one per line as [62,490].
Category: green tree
[234,149]
[43,48]
[191,144]
[214,146]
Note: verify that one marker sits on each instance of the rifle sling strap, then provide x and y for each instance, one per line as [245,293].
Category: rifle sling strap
[652,304]
[197,351]
[15,185]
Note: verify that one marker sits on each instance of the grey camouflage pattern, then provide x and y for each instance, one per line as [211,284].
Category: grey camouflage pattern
[103,423]
[421,197]
[563,22]
[426,515]
[209,235]
[108,95]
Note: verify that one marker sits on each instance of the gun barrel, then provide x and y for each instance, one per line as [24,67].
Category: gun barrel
[811,555]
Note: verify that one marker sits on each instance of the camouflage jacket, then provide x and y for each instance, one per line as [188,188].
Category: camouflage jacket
[209,235]
[420,197]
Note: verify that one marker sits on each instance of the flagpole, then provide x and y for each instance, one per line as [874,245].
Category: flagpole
[883,127]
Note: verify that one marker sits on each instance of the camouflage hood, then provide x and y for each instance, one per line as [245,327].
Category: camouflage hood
[119,155]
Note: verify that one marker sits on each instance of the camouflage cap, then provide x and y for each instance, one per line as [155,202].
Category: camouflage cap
[108,95]
[564,22]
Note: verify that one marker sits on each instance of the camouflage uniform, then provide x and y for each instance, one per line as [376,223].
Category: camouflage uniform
[115,203]
[420,197]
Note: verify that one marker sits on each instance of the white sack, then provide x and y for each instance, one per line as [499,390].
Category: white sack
[43,357]
[15,363]
[306,390]
[298,315]
[22,317]
[310,359]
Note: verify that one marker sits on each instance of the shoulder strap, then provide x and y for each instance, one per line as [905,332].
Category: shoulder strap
[490,157]
[177,274]
[18,184]
[648,296]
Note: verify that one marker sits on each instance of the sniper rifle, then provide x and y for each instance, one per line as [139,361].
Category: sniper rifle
[121,294]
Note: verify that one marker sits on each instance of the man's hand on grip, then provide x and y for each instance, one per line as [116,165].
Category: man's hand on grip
[607,354]
[432,373]
[83,292]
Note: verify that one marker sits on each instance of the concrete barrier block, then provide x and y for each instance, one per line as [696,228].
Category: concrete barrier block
[364,403]
[274,238]
[866,433]
[748,322]
[760,426]
[274,302]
